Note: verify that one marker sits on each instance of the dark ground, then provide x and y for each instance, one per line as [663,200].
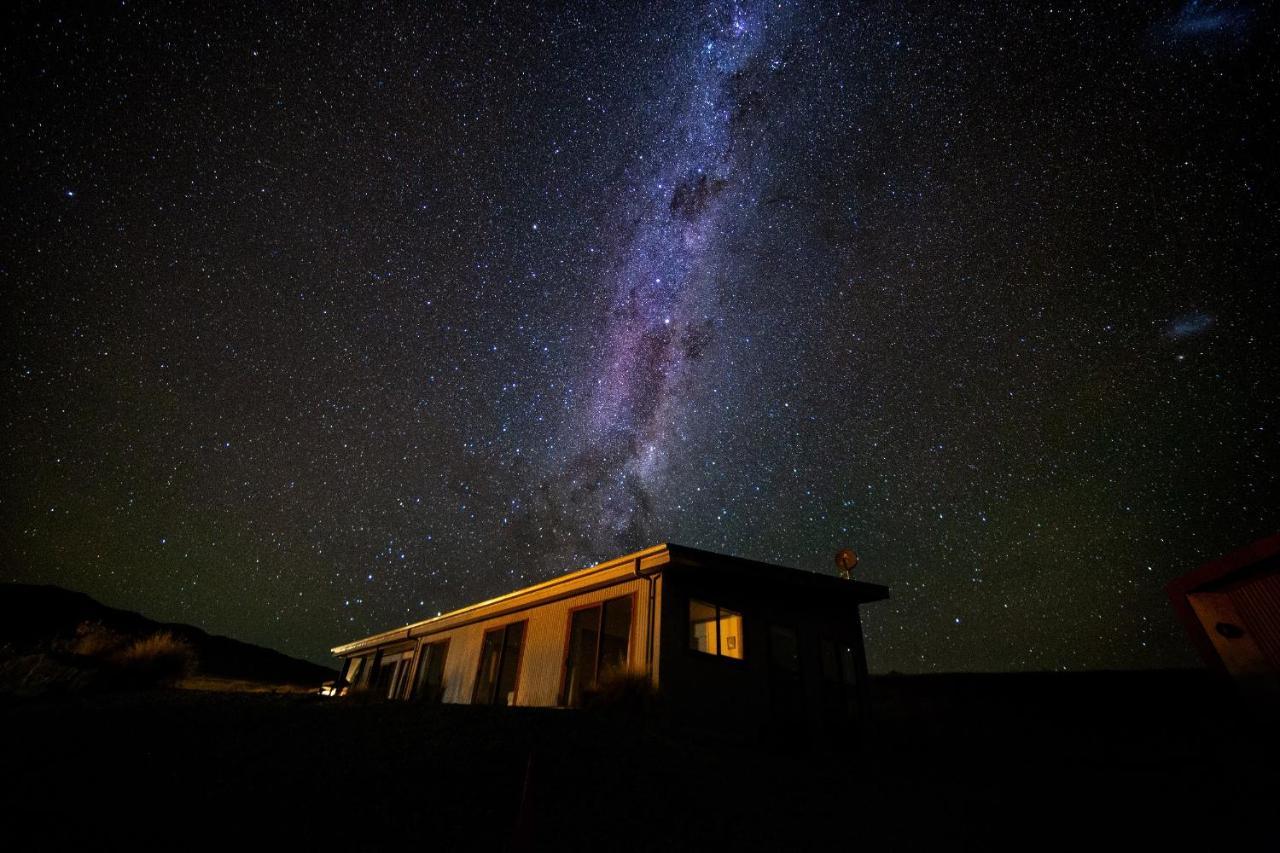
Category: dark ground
[1155,760]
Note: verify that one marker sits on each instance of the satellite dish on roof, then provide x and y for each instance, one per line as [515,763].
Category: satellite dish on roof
[846,562]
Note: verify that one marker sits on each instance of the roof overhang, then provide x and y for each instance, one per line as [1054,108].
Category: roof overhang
[644,563]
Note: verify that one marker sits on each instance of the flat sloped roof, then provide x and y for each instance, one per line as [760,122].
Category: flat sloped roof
[648,561]
[775,574]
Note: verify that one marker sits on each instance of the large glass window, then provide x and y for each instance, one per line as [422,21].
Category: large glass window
[384,670]
[599,643]
[839,681]
[715,630]
[392,674]
[429,685]
[398,679]
[837,663]
[786,689]
[499,665]
[784,649]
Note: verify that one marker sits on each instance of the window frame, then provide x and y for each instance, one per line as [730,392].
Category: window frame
[794,631]
[397,677]
[562,696]
[843,690]
[425,656]
[502,656]
[356,672]
[386,672]
[788,694]
[718,654]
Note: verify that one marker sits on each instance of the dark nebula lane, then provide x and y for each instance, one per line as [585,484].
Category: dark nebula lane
[699,178]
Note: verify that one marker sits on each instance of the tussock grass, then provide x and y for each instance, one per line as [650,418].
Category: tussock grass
[628,693]
[155,660]
[95,640]
[158,659]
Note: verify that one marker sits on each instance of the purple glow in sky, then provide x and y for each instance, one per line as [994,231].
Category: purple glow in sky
[698,171]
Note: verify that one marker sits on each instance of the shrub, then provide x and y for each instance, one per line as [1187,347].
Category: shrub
[156,660]
[628,693]
[98,657]
[95,640]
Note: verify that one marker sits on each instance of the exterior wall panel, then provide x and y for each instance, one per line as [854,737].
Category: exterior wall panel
[543,665]
[1258,602]
[734,697]
[542,659]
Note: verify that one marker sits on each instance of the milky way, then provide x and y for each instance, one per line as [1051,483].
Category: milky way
[701,171]
[320,320]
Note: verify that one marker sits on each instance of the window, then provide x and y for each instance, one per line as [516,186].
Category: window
[398,679]
[390,672]
[383,673]
[784,649]
[786,688]
[429,684]
[714,630]
[499,665]
[837,664]
[598,646]
[839,682]
[357,672]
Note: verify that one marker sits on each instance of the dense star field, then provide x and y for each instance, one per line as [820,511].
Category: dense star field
[319,319]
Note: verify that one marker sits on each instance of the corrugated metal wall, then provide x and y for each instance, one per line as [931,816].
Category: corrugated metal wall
[1258,603]
[461,662]
[542,659]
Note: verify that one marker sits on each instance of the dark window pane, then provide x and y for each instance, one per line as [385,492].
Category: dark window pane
[846,665]
[615,640]
[383,682]
[839,699]
[784,650]
[785,686]
[830,662]
[580,665]
[487,677]
[397,679]
[420,671]
[430,682]
[435,674]
[381,678]
[506,693]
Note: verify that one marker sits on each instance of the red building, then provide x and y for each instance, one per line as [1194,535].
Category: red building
[1231,610]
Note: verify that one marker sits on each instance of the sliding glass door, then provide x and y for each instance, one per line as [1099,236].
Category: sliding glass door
[499,665]
[598,647]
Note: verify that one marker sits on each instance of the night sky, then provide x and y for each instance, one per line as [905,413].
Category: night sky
[319,320]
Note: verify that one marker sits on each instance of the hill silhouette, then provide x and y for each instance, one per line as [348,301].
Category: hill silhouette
[40,624]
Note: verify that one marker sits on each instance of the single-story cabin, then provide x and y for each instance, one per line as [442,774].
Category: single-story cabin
[724,641]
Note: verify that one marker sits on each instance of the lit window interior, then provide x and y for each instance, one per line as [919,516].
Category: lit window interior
[715,630]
